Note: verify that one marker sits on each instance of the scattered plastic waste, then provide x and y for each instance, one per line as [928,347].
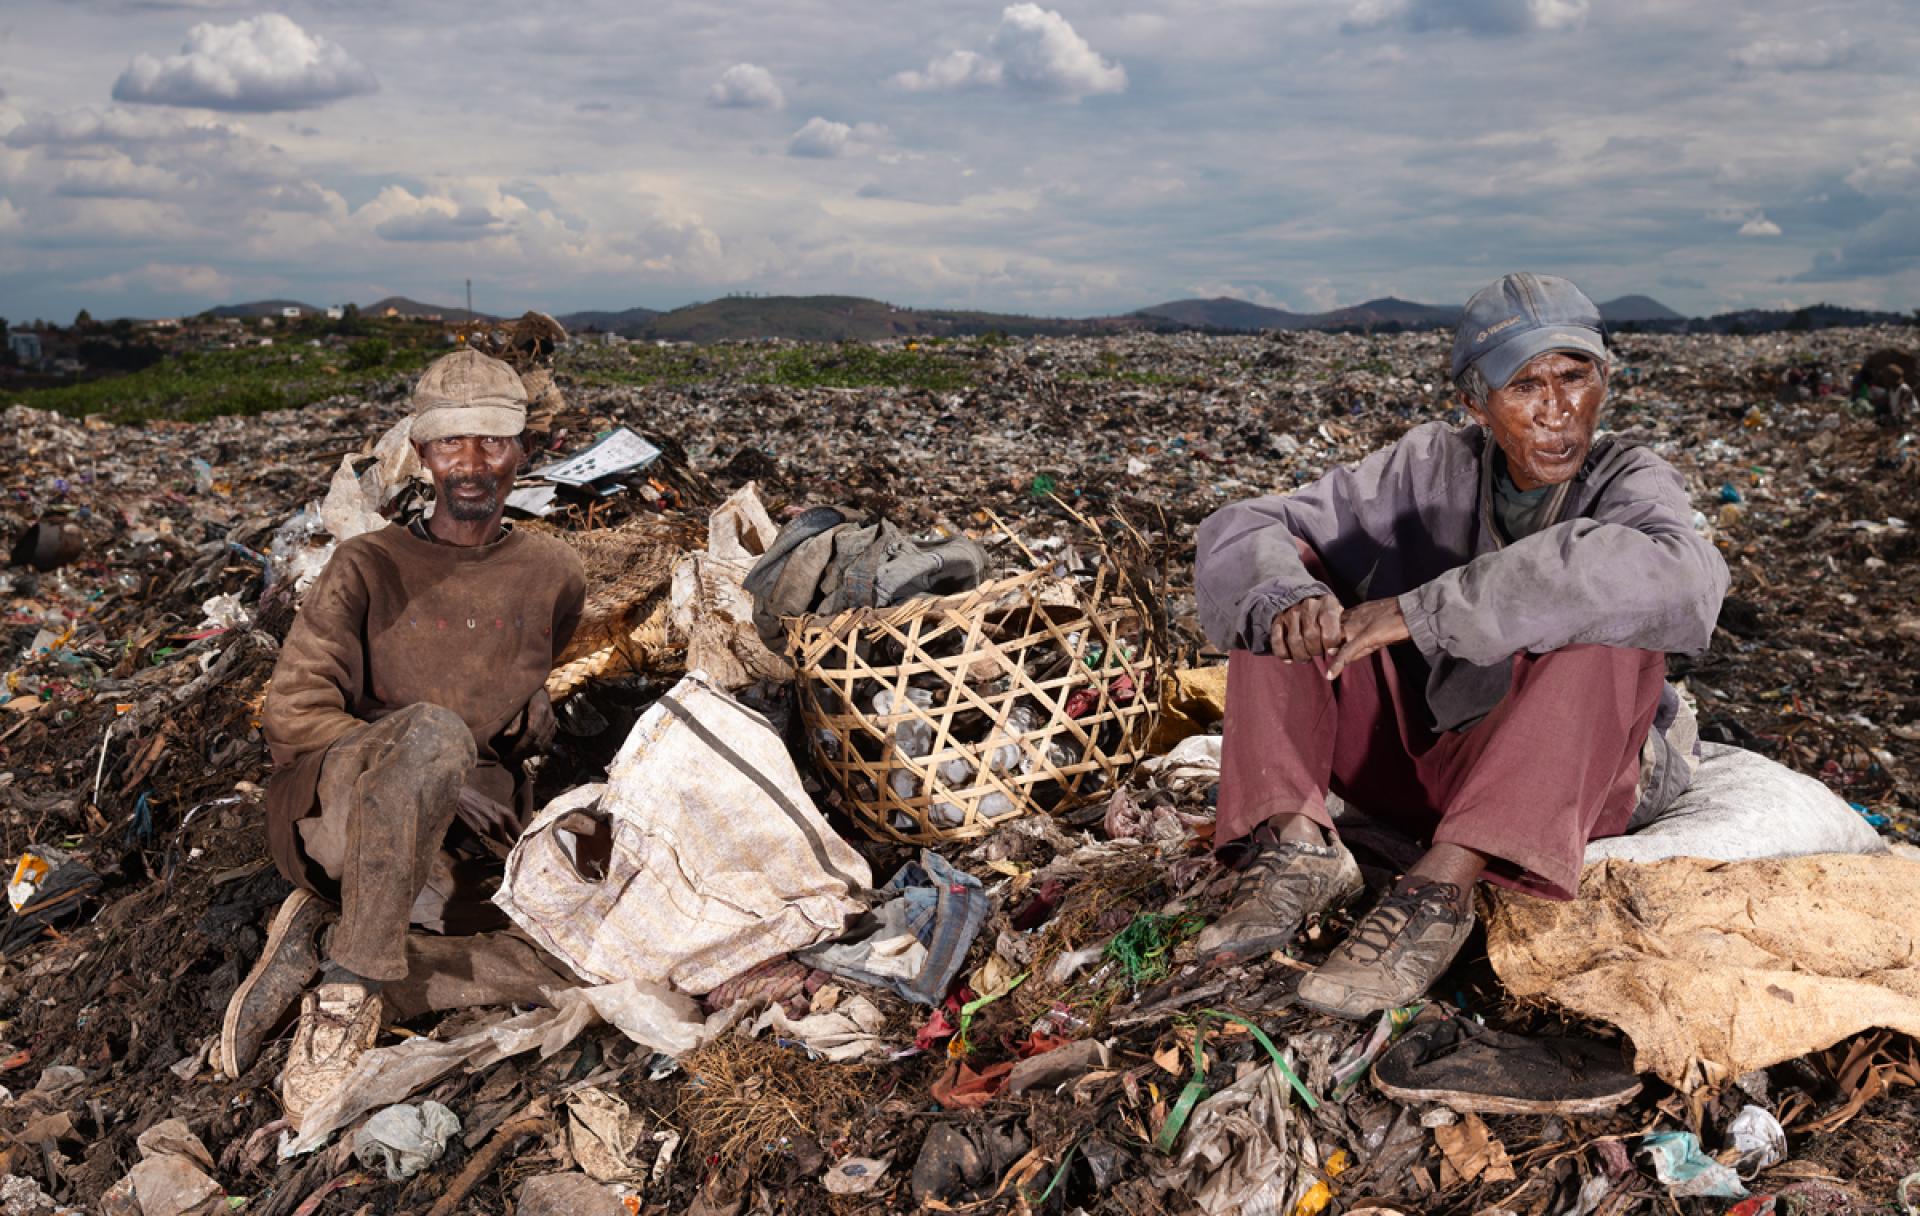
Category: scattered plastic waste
[404,1139]
[1686,1171]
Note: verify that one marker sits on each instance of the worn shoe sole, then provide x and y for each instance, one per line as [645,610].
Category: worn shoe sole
[286,965]
[1497,1104]
[1487,1072]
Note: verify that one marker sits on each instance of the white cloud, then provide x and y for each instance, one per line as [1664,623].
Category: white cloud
[951,72]
[1792,55]
[259,64]
[823,139]
[114,176]
[746,86]
[1041,51]
[9,215]
[1321,293]
[1760,225]
[1492,17]
[1034,49]
[1235,291]
[397,214]
[197,282]
[114,127]
[1889,172]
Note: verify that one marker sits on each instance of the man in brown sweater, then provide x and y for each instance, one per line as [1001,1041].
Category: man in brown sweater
[409,693]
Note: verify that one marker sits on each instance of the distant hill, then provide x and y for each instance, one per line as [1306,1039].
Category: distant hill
[855,318]
[404,307]
[1816,316]
[608,322]
[1225,312]
[1388,311]
[1637,310]
[843,318]
[260,308]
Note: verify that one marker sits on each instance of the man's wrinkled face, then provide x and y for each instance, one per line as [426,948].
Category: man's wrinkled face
[472,474]
[1544,418]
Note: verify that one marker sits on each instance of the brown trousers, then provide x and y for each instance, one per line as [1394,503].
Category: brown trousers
[388,792]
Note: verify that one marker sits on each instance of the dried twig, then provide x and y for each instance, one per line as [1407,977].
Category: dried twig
[530,1121]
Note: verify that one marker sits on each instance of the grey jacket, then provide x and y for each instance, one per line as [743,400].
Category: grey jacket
[1619,564]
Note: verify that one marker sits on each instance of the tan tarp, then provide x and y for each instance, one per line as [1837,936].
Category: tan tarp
[1717,968]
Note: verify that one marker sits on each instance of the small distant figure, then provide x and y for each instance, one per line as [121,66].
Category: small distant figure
[1901,404]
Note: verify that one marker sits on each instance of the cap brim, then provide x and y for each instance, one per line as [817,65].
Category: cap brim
[1501,363]
[441,421]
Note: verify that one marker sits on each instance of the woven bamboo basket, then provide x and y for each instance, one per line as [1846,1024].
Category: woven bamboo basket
[940,719]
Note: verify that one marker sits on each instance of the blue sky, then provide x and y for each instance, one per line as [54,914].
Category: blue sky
[1064,158]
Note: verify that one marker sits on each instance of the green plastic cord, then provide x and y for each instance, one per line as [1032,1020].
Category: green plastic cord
[1196,1089]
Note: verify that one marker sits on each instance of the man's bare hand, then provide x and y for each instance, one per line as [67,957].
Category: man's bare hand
[488,818]
[1364,629]
[1307,630]
[534,729]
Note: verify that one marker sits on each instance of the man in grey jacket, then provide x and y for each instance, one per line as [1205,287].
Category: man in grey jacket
[1464,634]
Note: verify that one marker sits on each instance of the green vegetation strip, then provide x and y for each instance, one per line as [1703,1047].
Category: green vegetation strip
[195,386]
[927,367]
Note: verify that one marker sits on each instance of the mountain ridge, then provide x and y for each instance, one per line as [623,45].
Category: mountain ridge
[832,318]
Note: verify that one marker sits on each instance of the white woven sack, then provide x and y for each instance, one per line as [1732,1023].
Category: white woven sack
[720,861]
[1742,806]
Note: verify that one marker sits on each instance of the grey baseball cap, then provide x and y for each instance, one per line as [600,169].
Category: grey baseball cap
[1519,317]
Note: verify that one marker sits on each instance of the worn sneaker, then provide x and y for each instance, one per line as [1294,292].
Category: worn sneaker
[338,1023]
[282,972]
[1393,953]
[1283,885]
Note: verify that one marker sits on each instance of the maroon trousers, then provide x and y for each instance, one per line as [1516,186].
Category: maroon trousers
[1556,763]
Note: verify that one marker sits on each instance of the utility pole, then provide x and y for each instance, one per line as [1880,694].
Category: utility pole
[469,295]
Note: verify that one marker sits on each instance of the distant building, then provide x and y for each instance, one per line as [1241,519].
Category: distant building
[336,312]
[24,346]
[292,312]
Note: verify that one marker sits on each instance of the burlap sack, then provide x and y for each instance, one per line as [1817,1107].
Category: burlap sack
[1716,968]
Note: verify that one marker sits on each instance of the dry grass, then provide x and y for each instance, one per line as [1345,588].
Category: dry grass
[742,1096]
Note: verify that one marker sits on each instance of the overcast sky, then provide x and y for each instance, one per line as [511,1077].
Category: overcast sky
[1068,157]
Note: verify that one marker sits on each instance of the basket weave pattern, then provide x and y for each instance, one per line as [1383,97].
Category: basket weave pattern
[940,719]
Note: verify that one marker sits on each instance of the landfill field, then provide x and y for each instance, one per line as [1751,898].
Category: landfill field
[1084,1061]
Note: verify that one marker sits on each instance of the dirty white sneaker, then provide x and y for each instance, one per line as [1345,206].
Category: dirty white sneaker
[338,1023]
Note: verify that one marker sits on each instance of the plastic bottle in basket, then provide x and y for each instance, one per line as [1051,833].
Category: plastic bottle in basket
[910,738]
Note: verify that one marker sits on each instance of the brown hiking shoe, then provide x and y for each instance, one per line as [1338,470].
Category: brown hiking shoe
[1283,885]
[281,973]
[1393,953]
[338,1023]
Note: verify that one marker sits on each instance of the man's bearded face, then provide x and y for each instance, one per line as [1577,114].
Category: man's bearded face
[471,473]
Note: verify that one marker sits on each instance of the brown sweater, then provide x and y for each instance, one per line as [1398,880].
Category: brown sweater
[396,620]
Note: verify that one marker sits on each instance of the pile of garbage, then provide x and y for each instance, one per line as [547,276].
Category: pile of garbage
[1018,1021]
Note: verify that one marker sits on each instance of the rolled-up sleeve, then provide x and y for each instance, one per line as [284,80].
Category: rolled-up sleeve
[1247,563]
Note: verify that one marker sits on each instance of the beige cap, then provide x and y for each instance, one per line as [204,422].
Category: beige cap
[467,393]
